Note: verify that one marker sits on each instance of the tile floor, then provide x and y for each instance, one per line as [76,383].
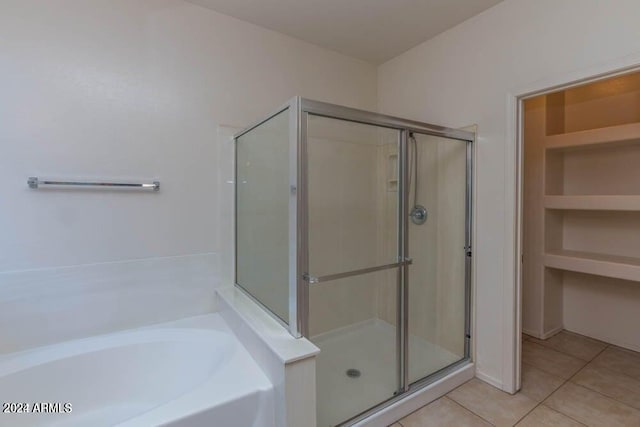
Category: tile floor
[567,380]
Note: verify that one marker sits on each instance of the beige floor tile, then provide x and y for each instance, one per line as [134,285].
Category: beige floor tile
[544,416]
[620,360]
[443,413]
[573,344]
[618,386]
[592,408]
[395,425]
[537,384]
[495,406]
[550,361]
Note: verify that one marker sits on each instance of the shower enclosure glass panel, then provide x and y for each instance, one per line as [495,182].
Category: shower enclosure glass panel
[262,213]
[352,179]
[437,169]
[353,195]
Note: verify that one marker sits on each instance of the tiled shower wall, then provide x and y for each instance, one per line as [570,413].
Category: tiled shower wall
[344,220]
[436,276]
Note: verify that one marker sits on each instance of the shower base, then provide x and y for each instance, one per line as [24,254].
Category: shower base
[371,348]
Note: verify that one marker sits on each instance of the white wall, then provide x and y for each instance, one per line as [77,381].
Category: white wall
[136,88]
[463,76]
[533,221]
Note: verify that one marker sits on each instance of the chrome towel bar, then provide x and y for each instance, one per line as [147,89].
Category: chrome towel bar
[35,183]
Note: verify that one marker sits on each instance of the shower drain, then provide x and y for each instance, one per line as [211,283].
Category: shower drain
[353,373]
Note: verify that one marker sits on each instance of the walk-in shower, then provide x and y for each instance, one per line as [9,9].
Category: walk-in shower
[354,230]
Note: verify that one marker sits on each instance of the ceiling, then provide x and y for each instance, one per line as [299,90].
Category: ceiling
[372,30]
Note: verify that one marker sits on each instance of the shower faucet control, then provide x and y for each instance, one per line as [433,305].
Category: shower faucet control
[418,215]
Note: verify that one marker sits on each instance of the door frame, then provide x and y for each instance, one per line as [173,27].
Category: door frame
[512,295]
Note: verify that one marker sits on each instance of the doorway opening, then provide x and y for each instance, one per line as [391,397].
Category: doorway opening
[579,151]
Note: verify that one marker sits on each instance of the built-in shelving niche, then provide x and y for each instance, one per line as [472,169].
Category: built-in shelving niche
[604,243]
[392,171]
[592,202]
[610,168]
[582,174]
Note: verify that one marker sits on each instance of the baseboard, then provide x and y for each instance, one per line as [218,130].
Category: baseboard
[531,333]
[552,332]
[489,380]
[608,339]
[544,335]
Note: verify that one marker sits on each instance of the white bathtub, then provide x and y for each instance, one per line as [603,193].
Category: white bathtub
[192,372]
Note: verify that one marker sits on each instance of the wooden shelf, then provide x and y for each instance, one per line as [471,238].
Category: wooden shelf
[608,135]
[596,203]
[617,267]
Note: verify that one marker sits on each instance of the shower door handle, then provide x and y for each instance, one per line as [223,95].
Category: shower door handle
[319,279]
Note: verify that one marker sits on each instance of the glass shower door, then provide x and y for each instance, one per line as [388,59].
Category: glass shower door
[353,203]
[437,244]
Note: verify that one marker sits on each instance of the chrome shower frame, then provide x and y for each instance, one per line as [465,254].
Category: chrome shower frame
[299,275]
